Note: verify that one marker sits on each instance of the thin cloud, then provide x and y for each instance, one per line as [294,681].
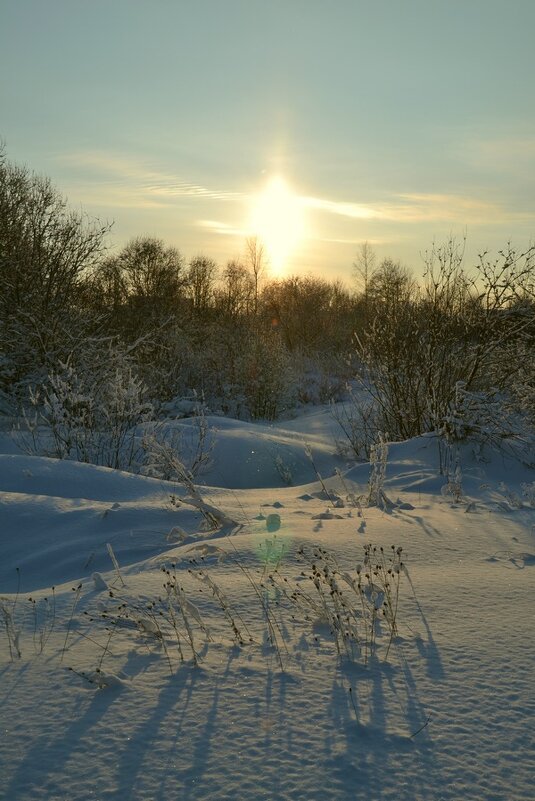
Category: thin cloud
[355,211]
[182,188]
[420,207]
[117,181]
[115,197]
[452,209]
[353,241]
[217,227]
[136,185]
[522,146]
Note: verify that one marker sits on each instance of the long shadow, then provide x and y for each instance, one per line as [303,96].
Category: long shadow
[278,731]
[428,650]
[190,777]
[378,738]
[318,527]
[19,672]
[47,757]
[201,753]
[180,687]
[427,528]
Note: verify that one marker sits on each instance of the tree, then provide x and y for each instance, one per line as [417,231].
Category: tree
[256,261]
[200,283]
[46,250]
[308,312]
[456,336]
[107,289]
[391,285]
[364,268]
[365,265]
[146,278]
[237,294]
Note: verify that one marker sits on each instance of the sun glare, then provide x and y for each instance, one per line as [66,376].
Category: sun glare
[277,220]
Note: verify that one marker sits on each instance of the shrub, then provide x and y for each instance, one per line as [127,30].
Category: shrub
[423,342]
[89,411]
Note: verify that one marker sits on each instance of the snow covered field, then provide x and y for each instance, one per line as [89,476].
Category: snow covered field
[102,697]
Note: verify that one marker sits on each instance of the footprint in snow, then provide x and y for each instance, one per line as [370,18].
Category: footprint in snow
[327,516]
[519,560]
[523,560]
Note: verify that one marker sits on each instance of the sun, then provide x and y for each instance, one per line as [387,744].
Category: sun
[277,220]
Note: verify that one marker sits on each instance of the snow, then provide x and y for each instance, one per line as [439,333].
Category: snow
[103,707]
[245,455]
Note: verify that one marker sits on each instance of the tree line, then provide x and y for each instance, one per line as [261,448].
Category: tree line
[249,345]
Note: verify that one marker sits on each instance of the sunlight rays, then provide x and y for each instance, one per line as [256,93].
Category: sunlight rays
[277,219]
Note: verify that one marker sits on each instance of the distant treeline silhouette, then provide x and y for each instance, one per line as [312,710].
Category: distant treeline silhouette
[249,345]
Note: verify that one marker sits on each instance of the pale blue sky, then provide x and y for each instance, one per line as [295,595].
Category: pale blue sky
[396,122]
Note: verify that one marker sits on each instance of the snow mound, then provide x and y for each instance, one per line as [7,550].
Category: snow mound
[124,705]
[261,455]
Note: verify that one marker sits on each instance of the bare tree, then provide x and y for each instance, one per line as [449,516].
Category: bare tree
[150,275]
[46,250]
[364,268]
[310,312]
[256,261]
[200,282]
[237,294]
[459,333]
[44,247]
[391,285]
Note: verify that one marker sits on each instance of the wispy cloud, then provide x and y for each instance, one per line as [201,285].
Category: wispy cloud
[354,240]
[342,208]
[182,188]
[420,207]
[462,209]
[125,182]
[217,227]
[107,179]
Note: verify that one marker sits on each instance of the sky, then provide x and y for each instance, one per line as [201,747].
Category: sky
[314,125]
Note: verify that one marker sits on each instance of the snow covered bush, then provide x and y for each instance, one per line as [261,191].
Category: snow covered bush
[517,360]
[480,415]
[378,461]
[178,454]
[240,371]
[319,378]
[167,362]
[359,421]
[46,249]
[457,328]
[267,384]
[89,411]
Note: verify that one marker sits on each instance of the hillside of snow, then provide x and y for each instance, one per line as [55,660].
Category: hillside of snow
[158,647]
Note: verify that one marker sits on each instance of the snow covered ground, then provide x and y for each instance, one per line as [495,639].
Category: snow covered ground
[107,699]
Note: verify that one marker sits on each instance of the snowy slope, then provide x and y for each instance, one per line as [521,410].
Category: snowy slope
[247,455]
[447,712]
